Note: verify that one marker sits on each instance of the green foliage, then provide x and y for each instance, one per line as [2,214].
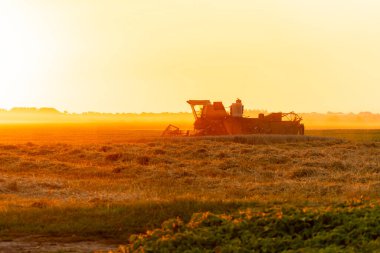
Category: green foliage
[116,221]
[348,228]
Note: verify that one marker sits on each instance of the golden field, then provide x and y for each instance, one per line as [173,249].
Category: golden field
[102,184]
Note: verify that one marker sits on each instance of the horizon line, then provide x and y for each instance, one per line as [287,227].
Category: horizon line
[54,110]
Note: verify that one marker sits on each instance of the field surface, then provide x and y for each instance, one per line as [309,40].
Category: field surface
[90,187]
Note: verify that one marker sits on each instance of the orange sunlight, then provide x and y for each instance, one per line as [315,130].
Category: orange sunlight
[145,56]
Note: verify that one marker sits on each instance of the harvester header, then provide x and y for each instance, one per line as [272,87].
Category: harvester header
[213,119]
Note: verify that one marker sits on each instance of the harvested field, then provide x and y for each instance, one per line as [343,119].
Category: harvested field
[103,190]
[215,168]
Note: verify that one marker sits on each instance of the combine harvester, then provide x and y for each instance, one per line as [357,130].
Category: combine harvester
[213,119]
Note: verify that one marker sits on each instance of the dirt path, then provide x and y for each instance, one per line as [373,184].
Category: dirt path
[34,245]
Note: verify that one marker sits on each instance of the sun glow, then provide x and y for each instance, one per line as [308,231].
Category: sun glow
[26,55]
[126,56]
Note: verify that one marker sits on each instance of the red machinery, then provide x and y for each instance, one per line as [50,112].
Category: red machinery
[213,119]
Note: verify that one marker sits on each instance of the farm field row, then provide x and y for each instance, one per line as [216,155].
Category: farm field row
[120,133]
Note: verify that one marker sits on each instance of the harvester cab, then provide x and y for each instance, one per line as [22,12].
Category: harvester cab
[208,117]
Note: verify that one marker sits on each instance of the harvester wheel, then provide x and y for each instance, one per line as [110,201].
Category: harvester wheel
[267,131]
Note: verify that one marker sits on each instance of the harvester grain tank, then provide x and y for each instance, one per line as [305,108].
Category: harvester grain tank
[213,119]
[237,109]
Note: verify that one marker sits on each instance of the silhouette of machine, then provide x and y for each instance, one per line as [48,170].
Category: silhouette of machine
[213,119]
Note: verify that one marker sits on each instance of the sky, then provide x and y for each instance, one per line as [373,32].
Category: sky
[152,55]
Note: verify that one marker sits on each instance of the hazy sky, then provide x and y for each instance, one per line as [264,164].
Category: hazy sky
[134,56]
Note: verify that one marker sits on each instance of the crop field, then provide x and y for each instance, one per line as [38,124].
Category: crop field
[369,135]
[81,189]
